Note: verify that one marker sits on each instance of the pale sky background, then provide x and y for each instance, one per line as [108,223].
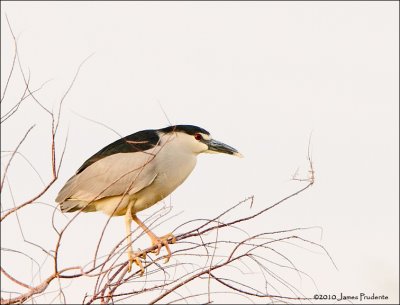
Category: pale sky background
[260,76]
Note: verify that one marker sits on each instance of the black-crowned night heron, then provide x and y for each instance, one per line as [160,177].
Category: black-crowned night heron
[135,172]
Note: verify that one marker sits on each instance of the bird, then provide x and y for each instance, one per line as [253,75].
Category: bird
[135,172]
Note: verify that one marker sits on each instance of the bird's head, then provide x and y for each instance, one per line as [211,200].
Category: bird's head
[199,140]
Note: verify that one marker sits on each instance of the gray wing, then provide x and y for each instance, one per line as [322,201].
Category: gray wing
[111,176]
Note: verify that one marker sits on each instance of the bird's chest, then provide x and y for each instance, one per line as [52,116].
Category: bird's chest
[172,170]
[172,166]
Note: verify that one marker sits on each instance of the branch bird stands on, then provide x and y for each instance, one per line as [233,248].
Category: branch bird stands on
[135,172]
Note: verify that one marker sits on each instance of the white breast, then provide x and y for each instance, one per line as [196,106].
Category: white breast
[173,165]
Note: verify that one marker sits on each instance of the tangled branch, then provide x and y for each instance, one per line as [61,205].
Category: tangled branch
[204,253]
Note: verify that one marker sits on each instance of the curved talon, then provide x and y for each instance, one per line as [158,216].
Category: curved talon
[156,241]
[143,255]
[135,257]
[172,236]
[163,241]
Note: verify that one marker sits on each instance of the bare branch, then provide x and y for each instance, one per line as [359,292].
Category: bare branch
[203,258]
[13,62]
[68,90]
[13,154]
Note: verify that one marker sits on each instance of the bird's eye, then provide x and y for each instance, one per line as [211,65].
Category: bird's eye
[198,136]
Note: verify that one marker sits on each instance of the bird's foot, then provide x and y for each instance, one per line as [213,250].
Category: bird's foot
[135,257]
[163,241]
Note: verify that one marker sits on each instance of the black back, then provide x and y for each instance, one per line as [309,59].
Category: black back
[139,141]
[189,129]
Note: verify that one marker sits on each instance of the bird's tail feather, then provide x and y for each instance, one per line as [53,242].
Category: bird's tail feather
[72,205]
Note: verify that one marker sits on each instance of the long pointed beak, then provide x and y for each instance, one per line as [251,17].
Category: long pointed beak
[215,146]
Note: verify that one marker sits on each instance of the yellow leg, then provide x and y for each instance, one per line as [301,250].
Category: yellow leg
[156,241]
[132,256]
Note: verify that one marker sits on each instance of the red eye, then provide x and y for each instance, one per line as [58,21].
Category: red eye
[198,136]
